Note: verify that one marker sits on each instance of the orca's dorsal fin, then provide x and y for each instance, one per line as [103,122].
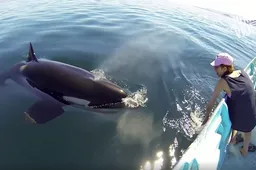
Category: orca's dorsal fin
[31,54]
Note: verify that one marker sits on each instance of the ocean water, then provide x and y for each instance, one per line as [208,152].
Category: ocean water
[157,51]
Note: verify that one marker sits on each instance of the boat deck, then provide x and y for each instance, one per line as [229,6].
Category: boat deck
[235,161]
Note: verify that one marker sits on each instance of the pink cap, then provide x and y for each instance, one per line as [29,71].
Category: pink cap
[222,58]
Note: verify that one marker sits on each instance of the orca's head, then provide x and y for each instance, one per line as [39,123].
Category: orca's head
[109,94]
[115,91]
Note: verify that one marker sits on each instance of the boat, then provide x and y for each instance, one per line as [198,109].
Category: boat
[211,149]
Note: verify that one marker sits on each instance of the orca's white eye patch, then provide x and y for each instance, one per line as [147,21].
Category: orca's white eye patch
[76,100]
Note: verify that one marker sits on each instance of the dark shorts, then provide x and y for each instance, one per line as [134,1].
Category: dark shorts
[244,124]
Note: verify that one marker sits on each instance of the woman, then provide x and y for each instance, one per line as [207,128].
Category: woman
[240,99]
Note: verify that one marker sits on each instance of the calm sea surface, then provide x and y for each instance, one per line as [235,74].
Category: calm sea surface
[158,51]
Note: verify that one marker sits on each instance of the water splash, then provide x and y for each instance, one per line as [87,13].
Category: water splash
[99,74]
[192,114]
[136,99]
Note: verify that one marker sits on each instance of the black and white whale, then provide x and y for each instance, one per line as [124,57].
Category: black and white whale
[58,84]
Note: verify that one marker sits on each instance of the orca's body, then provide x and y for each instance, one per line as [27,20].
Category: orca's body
[58,84]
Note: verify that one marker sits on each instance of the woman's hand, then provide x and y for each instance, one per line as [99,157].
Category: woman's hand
[205,119]
[218,88]
[209,107]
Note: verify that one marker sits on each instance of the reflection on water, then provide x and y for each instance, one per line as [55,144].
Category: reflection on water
[188,125]
[156,164]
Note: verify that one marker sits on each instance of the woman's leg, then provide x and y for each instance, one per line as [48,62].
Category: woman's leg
[233,136]
[247,139]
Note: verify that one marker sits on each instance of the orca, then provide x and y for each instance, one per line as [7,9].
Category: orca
[58,84]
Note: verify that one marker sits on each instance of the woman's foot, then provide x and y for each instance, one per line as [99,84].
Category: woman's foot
[243,152]
[251,148]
